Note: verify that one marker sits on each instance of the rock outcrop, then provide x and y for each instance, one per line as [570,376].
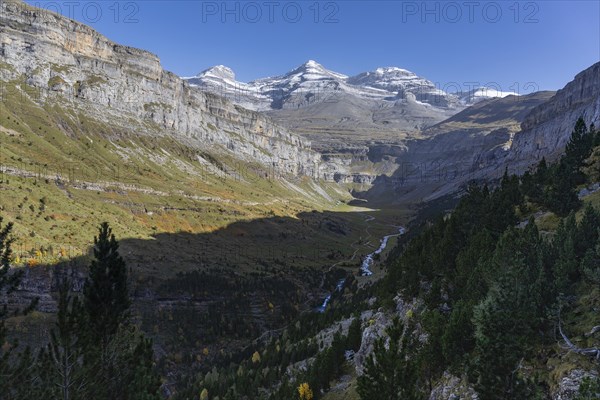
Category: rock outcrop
[568,387]
[451,387]
[377,324]
[375,329]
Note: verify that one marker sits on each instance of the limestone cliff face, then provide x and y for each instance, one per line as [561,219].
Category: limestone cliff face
[547,128]
[481,141]
[68,61]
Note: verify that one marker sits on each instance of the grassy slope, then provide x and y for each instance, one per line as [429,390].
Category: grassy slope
[143,185]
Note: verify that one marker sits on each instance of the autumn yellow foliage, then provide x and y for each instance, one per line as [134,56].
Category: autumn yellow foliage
[204,394]
[305,391]
[256,357]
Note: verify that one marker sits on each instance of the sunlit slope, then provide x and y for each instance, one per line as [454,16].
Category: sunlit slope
[64,172]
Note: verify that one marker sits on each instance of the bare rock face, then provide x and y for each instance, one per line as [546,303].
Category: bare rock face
[481,141]
[547,128]
[71,64]
[376,326]
[39,284]
[568,387]
[471,145]
[451,387]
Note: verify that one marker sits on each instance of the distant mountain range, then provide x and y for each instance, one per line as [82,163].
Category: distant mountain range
[385,103]
[312,83]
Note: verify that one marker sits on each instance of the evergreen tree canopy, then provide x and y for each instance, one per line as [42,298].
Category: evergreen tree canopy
[106,297]
[578,149]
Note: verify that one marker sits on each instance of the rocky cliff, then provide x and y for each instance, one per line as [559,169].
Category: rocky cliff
[470,145]
[547,128]
[481,141]
[70,63]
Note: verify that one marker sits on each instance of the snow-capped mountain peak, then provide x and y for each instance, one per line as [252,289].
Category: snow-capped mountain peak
[218,71]
[393,70]
[482,93]
[311,65]
[392,79]
[309,71]
[312,83]
[221,80]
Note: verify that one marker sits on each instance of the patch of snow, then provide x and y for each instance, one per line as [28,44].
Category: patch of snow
[483,93]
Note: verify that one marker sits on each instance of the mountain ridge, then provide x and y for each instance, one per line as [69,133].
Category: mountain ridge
[383,83]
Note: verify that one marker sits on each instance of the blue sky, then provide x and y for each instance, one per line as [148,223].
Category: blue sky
[518,46]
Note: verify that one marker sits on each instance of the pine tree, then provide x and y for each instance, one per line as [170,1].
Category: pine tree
[541,172]
[590,265]
[119,362]
[141,382]
[499,340]
[7,282]
[24,382]
[506,320]
[354,339]
[532,184]
[470,282]
[562,179]
[565,267]
[431,358]
[106,299]
[587,231]
[561,196]
[577,150]
[457,340]
[64,377]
